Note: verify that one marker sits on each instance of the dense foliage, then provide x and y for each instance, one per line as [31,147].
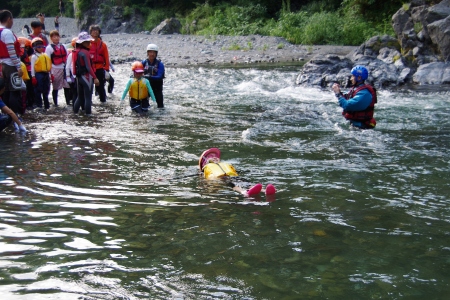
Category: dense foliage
[347,22]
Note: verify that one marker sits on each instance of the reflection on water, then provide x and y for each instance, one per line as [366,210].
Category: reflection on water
[110,207]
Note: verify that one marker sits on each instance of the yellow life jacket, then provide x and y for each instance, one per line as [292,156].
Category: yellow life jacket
[24,71]
[43,63]
[138,89]
[215,170]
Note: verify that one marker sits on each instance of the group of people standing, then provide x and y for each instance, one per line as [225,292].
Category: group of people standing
[32,66]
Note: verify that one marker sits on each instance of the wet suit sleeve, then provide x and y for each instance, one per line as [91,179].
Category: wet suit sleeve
[360,102]
[127,88]
[87,63]
[150,91]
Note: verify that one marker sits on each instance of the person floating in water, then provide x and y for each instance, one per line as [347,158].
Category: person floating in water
[213,168]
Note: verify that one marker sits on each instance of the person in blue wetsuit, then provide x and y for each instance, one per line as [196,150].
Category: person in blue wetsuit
[359,103]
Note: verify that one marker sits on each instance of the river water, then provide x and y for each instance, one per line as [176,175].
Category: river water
[109,206]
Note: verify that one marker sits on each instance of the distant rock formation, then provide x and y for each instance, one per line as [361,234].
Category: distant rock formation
[419,54]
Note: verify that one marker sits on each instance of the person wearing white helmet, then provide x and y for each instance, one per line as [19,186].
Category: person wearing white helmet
[359,103]
[154,72]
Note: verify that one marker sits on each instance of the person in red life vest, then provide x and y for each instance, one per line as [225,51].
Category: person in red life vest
[58,54]
[41,67]
[25,57]
[359,102]
[10,62]
[154,72]
[36,31]
[70,82]
[100,59]
[6,114]
[84,72]
[139,89]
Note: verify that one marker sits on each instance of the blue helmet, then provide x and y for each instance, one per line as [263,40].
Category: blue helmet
[360,71]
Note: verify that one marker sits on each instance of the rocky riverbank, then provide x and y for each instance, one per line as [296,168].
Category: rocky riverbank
[178,50]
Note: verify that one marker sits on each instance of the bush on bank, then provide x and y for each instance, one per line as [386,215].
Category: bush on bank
[338,22]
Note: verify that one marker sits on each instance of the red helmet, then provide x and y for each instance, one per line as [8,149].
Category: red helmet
[137,66]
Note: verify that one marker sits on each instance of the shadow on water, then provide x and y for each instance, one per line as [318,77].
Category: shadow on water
[110,206]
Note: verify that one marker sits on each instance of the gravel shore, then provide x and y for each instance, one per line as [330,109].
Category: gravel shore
[178,50]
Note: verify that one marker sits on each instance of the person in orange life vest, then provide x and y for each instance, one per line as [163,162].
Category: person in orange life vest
[7,115]
[36,31]
[139,89]
[41,67]
[58,54]
[25,57]
[100,59]
[213,168]
[359,102]
[10,62]
[70,76]
[154,72]
[84,72]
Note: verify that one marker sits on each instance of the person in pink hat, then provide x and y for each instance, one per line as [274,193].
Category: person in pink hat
[84,72]
[213,168]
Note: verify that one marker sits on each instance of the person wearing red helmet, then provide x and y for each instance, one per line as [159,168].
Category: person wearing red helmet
[359,103]
[139,89]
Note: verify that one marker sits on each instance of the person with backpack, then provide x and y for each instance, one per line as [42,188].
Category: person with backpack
[58,54]
[10,61]
[84,72]
[100,59]
[154,72]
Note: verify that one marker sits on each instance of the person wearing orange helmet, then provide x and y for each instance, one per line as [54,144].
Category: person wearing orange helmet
[138,89]
[25,58]
[41,67]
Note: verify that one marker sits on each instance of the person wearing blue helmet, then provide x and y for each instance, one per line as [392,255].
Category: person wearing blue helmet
[359,103]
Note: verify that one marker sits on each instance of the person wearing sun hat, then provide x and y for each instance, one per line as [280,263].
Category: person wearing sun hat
[213,168]
[84,72]
[139,89]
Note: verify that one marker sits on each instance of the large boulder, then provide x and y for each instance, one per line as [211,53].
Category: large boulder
[168,26]
[433,73]
[422,45]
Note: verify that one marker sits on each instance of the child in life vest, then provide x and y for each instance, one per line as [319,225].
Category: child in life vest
[139,89]
[25,57]
[41,67]
[58,54]
[213,168]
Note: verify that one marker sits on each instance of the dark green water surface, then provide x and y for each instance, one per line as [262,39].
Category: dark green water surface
[105,207]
